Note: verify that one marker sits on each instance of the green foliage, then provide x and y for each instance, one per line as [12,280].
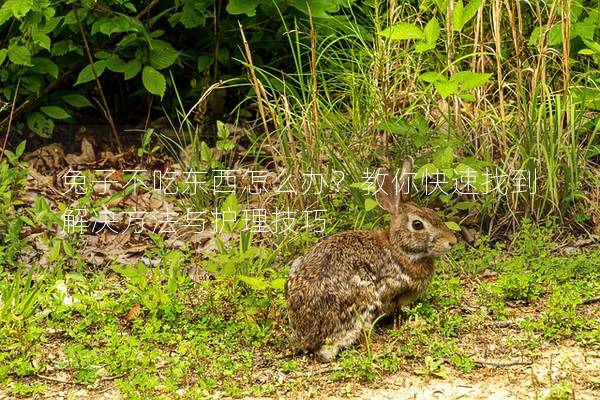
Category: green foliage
[247,263]
[155,291]
[432,367]
[561,391]
[12,183]
[170,38]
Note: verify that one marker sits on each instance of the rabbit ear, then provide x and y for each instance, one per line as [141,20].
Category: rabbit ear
[404,180]
[395,190]
[387,196]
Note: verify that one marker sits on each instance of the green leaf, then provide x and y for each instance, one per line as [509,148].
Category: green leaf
[51,22]
[431,77]
[19,8]
[191,17]
[468,97]
[205,152]
[230,203]
[422,47]
[61,48]
[465,205]
[136,271]
[453,226]
[586,52]
[54,253]
[420,123]
[585,30]
[278,284]
[237,7]
[470,10]
[5,14]
[55,112]
[593,46]
[130,40]
[370,204]
[554,35]
[3,53]
[457,16]
[102,55]
[403,31]
[398,126]
[87,73]
[222,131]
[316,8]
[19,55]
[42,40]
[20,149]
[224,56]
[114,63]
[45,66]
[154,81]
[40,124]
[254,283]
[115,25]
[446,88]
[130,7]
[77,100]
[162,54]
[443,158]
[204,60]
[432,31]
[132,68]
[426,170]
[470,80]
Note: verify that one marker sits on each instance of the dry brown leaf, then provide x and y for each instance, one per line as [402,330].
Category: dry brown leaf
[87,155]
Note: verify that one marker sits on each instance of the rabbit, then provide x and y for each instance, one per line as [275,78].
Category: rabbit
[348,279]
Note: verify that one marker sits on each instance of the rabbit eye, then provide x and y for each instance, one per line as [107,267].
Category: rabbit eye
[417,225]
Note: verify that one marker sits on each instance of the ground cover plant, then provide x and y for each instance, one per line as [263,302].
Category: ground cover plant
[164,163]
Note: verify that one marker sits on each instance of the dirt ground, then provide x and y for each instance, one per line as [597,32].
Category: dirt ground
[554,365]
[497,379]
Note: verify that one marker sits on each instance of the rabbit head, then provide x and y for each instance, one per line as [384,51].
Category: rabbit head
[414,230]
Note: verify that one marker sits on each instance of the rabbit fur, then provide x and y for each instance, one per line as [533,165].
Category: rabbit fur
[347,280]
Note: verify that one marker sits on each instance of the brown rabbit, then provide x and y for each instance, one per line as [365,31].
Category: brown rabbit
[349,279]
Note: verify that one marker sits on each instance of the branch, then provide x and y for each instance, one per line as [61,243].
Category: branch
[10,119]
[109,117]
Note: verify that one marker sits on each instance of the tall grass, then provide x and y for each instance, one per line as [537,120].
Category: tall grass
[326,113]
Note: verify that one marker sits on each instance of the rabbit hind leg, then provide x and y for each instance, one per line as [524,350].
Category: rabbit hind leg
[347,334]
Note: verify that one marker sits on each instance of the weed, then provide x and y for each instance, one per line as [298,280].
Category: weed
[24,389]
[432,367]
[561,391]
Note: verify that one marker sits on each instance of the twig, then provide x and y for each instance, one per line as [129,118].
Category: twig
[591,300]
[112,378]
[51,379]
[506,323]
[106,389]
[148,8]
[10,119]
[67,382]
[204,98]
[102,97]
[324,370]
[501,364]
